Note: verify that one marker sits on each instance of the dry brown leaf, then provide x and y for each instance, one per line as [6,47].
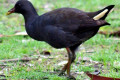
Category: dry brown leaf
[115,33]
[96,77]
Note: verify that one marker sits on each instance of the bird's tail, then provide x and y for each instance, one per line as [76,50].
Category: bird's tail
[101,23]
[101,14]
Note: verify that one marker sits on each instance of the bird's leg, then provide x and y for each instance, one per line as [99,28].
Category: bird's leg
[71,58]
[69,61]
[65,67]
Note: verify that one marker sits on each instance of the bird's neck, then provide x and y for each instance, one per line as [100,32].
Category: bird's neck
[29,17]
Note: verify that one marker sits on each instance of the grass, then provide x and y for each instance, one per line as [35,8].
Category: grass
[103,49]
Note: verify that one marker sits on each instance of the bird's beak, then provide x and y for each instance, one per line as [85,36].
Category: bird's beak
[11,11]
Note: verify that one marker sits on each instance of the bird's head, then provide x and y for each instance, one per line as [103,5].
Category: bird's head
[22,7]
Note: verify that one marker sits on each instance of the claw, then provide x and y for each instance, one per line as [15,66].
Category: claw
[71,77]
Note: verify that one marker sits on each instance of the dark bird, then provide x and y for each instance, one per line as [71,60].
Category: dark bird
[62,28]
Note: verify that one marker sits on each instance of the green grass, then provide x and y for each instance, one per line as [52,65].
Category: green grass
[105,50]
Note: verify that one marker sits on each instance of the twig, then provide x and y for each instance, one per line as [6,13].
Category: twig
[116,33]
[26,59]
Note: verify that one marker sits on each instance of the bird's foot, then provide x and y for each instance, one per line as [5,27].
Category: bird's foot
[71,77]
[62,73]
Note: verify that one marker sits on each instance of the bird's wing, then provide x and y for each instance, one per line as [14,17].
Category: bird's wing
[70,20]
[58,38]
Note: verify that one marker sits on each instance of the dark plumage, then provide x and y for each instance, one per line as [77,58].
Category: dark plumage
[61,28]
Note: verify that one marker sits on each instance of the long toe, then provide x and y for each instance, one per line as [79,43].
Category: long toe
[71,77]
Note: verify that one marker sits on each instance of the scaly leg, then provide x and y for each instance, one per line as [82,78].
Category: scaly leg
[68,65]
[65,67]
[70,60]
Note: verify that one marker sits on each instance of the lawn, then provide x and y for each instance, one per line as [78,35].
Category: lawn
[100,53]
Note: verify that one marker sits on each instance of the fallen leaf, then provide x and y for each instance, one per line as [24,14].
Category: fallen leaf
[62,63]
[96,77]
[116,33]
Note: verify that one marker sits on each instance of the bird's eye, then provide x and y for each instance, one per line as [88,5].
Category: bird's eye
[19,4]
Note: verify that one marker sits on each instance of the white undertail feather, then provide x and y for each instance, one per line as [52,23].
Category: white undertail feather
[100,15]
[111,10]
